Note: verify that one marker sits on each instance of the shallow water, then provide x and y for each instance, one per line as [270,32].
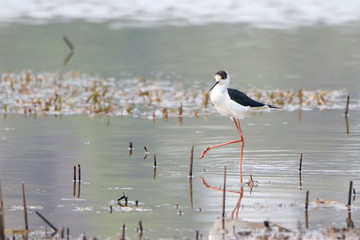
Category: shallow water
[318,54]
[42,152]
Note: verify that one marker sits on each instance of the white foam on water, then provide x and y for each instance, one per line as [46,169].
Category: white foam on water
[261,13]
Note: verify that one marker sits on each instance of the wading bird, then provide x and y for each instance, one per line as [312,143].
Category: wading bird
[234,104]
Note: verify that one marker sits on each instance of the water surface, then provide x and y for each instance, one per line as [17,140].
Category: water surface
[42,152]
[313,50]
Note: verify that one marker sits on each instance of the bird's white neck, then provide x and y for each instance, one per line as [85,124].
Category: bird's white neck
[222,86]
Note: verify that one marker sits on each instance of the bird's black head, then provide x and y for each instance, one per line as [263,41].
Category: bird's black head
[222,74]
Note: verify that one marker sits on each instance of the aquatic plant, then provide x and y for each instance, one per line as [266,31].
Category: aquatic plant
[79,93]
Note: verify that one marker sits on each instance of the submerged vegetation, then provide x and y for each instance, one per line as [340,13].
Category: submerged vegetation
[78,93]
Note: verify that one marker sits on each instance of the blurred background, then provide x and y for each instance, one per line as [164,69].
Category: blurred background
[268,44]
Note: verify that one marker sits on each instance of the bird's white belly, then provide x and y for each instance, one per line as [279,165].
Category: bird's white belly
[227,107]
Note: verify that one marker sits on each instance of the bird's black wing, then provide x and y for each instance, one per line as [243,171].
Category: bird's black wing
[243,99]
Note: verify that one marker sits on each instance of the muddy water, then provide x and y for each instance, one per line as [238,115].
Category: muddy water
[41,153]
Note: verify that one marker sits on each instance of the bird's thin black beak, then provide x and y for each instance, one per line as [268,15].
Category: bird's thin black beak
[213,86]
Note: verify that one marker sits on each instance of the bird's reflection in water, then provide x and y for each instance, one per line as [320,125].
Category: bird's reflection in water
[232,226]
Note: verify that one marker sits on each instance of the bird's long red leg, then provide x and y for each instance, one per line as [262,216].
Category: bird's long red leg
[235,212]
[242,142]
[217,188]
[237,124]
[218,145]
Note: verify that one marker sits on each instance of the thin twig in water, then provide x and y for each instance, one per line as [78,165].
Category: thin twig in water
[130,148]
[155,163]
[347,106]
[123,232]
[180,110]
[62,232]
[140,227]
[307,200]
[74,173]
[46,221]
[191,193]
[191,161]
[306,210]
[2,225]
[25,208]
[79,189]
[354,194]
[67,233]
[350,192]
[223,202]
[79,171]
[347,125]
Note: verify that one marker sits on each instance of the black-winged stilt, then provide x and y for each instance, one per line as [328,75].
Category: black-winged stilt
[234,104]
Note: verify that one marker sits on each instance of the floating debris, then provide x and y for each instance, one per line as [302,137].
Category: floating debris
[252,183]
[21,208]
[82,209]
[121,198]
[79,93]
[239,229]
[326,202]
[116,207]
[73,199]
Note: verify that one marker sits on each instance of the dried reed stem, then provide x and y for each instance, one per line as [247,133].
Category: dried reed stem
[347,105]
[79,172]
[306,210]
[191,161]
[74,179]
[155,163]
[46,221]
[180,110]
[2,223]
[25,208]
[224,200]
[123,232]
[67,233]
[307,200]
[197,235]
[350,192]
[140,227]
